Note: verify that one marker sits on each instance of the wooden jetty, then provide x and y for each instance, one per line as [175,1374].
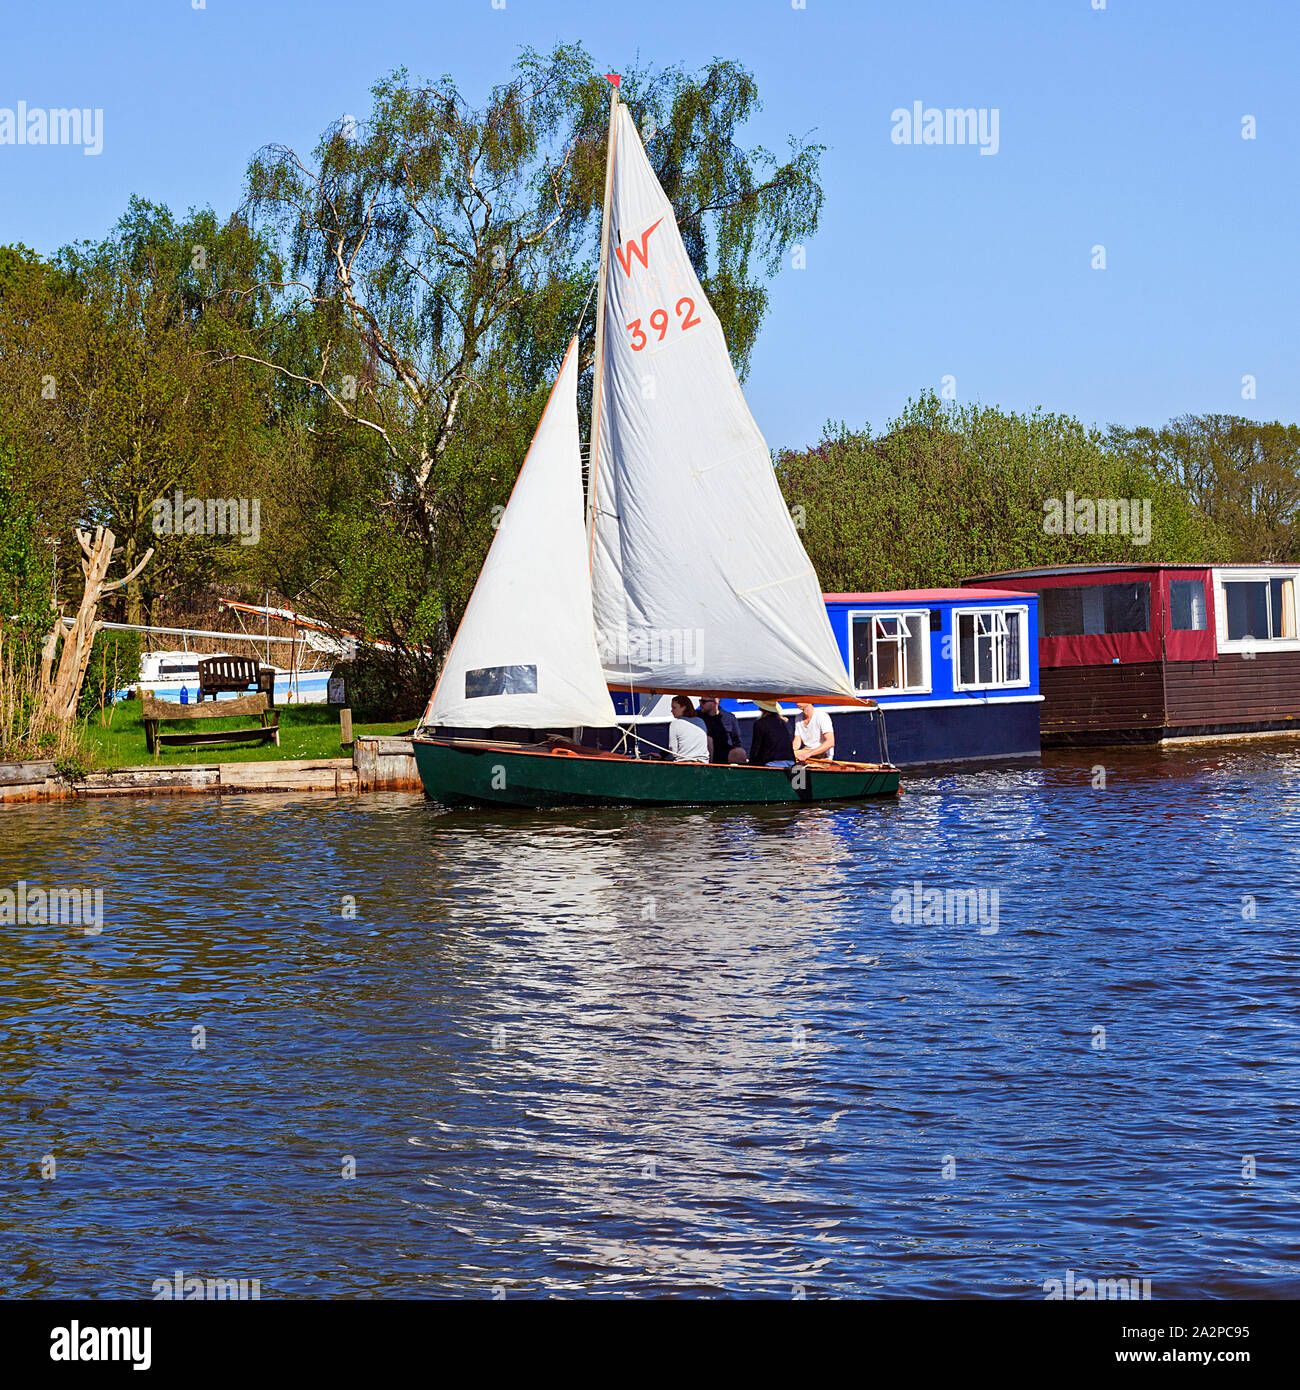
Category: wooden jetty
[378,763]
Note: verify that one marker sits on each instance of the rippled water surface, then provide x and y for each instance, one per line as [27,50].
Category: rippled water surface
[687,1052]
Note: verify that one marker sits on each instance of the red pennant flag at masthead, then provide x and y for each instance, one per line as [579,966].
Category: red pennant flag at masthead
[614,77]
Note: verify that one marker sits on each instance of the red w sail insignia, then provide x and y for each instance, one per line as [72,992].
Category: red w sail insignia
[626,253]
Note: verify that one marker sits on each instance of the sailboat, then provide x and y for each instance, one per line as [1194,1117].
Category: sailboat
[681,571]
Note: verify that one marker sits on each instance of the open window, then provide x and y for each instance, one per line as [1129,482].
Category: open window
[891,652]
[991,648]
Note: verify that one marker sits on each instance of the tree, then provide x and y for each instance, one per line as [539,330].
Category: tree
[26,607]
[19,265]
[442,253]
[953,491]
[118,382]
[61,687]
[1243,474]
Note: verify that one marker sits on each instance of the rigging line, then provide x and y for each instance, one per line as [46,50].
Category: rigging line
[587,305]
[649,742]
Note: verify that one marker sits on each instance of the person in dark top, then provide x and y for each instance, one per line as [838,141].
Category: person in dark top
[773,744]
[723,730]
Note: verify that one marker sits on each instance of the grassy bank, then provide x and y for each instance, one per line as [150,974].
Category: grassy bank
[306,731]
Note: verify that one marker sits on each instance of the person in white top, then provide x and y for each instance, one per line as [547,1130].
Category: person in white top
[814,734]
[688,738]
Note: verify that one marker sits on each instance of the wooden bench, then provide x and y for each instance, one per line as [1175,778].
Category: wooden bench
[156,712]
[225,675]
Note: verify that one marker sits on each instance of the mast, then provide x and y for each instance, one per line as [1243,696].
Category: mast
[599,377]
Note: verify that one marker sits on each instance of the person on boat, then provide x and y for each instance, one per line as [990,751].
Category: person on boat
[724,732]
[771,745]
[814,734]
[688,738]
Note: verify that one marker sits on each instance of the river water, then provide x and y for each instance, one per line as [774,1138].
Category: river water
[709,1052]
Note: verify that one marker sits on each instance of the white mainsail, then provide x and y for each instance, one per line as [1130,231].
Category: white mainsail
[699,578]
[525,652]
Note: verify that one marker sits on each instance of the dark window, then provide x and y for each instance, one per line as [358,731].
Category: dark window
[1260,609]
[1187,605]
[1096,609]
[500,680]
[1128,607]
[864,666]
[988,647]
[966,672]
[1247,603]
[1062,612]
[1011,665]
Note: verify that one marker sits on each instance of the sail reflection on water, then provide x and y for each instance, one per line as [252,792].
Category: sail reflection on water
[678,970]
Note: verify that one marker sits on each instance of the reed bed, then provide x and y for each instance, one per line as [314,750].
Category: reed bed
[26,731]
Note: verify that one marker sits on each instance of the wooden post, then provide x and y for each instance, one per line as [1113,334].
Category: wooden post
[345,727]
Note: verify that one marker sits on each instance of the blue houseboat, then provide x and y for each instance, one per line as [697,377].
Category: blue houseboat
[953,672]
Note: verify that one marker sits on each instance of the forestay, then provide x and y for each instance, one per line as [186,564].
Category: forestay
[525,652]
[700,580]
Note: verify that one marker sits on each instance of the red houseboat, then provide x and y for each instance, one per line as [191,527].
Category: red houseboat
[1144,653]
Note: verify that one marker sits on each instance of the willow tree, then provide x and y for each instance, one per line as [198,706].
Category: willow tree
[444,252]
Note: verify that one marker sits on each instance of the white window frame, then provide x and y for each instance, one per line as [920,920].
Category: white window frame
[922,615]
[958,613]
[1261,574]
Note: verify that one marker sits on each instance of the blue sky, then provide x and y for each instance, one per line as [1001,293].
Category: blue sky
[1119,127]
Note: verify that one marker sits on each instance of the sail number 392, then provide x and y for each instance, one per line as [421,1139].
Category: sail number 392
[659,323]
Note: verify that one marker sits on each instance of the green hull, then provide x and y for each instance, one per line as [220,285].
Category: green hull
[487,774]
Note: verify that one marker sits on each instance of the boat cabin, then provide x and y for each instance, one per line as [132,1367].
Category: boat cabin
[954,673]
[954,670]
[1144,653]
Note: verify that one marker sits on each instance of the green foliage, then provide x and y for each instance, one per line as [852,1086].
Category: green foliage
[26,614]
[953,491]
[1242,474]
[120,386]
[72,767]
[205,272]
[25,561]
[114,665]
[19,266]
[378,687]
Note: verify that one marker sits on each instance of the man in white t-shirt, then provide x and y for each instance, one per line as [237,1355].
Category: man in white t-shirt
[814,735]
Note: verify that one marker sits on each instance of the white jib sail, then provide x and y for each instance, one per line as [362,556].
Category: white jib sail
[700,580]
[525,652]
